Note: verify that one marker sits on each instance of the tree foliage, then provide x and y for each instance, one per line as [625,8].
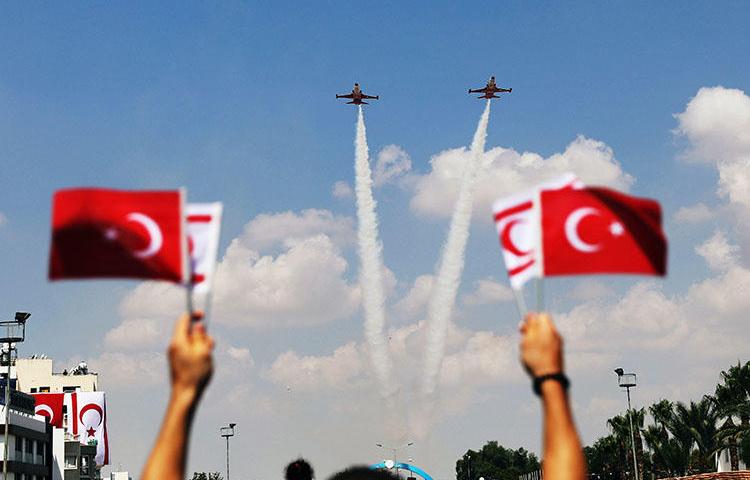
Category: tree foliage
[495,462]
[682,438]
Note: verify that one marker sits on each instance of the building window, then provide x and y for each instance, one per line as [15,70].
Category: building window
[33,389]
[19,444]
[43,389]
[70,461]
[29,445]
[69,389]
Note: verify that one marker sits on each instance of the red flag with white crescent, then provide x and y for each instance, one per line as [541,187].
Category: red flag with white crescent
[113,233]
[50,405]
[599,230]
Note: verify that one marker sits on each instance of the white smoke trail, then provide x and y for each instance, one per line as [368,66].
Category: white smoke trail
[371,267]
[448,279]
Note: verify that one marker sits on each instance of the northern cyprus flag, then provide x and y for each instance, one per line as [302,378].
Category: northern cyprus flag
[203,230]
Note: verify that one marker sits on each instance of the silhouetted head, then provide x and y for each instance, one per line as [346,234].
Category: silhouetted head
[363,473]
[299,469]
[356,84]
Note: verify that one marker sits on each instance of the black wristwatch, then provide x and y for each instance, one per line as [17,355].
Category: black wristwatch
[557,377]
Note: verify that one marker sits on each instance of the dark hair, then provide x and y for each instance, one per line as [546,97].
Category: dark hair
[299,469]
[363,473]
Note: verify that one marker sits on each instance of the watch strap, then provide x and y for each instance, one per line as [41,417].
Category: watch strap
[557,377]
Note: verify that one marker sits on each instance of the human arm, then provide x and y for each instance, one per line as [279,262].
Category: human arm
[190,366]
[542,354]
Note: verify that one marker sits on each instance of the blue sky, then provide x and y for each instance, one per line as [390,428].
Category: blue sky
[236,102]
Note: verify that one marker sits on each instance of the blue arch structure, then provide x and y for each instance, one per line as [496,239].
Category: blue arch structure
[404,466]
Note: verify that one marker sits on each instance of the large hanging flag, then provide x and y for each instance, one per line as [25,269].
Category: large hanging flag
[85,417]
[203,228]
[113,233]
[517,220]
[566,229]
[50,405]
[87,421]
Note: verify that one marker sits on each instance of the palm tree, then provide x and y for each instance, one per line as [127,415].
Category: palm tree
[732,397]
[670,456]
[662,412]
[698,421]
[620,426]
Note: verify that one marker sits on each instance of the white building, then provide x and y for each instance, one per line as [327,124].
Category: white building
[29,442]
[723,462]
[119,476]
[35,375]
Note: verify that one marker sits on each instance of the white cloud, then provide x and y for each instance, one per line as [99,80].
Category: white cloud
[485,358]
[718,252]
[392,162]
[342,190]
[590,289]
[135,334]
[716,122]
[269,230]
[506,171]
[415,300]
[124,371]
[316,373]
[487,292]
[304,285]
[697,213]
[241,355]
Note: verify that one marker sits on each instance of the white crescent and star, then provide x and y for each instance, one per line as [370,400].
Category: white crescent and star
[571,229]
[154,233]
[45,410]
[155,237]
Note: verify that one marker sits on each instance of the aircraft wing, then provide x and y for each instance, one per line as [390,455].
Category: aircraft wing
[370,96]
[478,90]
[345,96]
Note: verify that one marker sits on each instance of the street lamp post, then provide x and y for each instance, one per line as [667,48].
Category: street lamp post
[628,381]
[395,450]
[12,331]
[227,432]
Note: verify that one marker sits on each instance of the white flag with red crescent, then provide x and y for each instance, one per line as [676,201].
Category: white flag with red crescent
[87,418]
[517,219]
[203,229]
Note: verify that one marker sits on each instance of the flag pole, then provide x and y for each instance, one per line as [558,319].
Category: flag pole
[540,294]
[520,302]
[187,262]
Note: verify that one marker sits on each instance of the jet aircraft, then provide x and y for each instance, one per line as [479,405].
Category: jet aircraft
[490,90]
[357,96]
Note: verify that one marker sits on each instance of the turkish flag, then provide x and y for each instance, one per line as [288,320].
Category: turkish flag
[50,405]
[113,233]
[599,230]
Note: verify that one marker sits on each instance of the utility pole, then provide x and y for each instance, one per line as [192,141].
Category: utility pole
[12,331]
[228,432]
[628,381]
